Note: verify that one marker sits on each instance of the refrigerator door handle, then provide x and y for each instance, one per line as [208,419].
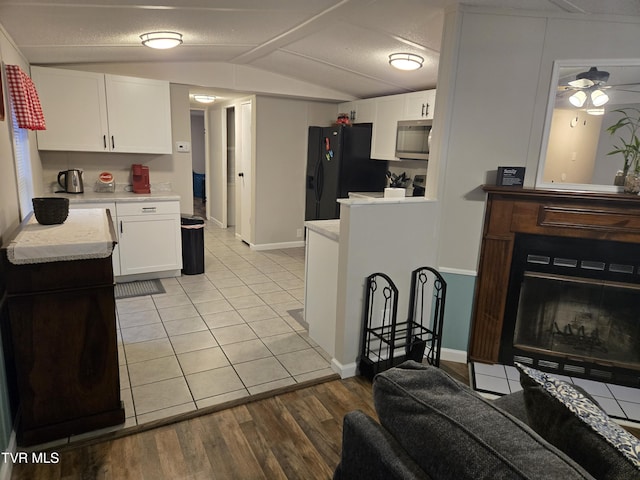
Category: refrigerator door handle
[320,180]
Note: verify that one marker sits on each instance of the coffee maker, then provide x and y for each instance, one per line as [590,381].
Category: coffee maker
[140,176]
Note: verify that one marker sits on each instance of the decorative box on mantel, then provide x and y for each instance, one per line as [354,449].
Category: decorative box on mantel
[559,283]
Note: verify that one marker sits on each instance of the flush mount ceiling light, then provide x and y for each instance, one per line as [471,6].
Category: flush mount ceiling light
[405,61]
[204,98]
[161,40]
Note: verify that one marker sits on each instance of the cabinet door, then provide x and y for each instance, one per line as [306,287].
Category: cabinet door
[74,107]
[149,243]
[115,257]
[139,115]
[360,111]
[419,105]
[388,111]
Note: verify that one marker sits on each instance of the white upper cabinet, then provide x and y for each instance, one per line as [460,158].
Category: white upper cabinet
[388,111]
[94,112]
[419,105]
[75,110]
[139,115]
[360,111]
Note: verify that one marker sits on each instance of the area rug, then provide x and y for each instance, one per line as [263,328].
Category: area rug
[138,288]
[298,315]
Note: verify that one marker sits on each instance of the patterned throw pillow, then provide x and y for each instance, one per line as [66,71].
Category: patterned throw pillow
[573,423]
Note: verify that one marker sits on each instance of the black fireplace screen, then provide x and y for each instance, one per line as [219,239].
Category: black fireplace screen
[592,319]
[572,308]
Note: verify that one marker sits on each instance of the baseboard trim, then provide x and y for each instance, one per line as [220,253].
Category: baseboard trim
[6,468]
[277,246]
[345,371]
[451,355]
[217,222]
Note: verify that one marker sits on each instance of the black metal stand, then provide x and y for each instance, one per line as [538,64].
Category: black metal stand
[387,343]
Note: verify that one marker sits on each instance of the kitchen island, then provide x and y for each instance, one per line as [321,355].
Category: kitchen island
[389,235]
[62,358]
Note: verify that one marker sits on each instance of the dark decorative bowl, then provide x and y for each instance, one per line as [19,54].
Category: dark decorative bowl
[50,210]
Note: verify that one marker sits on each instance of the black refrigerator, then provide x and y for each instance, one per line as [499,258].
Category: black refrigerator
[338,162]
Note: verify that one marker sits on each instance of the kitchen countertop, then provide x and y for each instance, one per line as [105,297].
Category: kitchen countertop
[84,234]
[95,197]
[327,228]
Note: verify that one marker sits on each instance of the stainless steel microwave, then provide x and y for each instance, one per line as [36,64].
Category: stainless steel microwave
[413,139]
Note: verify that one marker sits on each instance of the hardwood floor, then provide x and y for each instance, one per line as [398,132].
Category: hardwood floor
[294,435]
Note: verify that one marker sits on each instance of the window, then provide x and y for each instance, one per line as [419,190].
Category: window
[22,159]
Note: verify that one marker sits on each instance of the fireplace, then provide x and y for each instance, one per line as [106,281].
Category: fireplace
[572,308]
[559,284]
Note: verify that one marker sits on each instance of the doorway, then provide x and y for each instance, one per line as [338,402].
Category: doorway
[198,162]
[244,175]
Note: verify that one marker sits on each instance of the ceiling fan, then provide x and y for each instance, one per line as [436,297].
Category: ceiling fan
[589,88]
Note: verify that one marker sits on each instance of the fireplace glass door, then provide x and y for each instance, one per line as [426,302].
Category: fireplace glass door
[592,320]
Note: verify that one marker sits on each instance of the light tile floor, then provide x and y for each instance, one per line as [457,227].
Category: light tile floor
[619,402]
[215,337]
[218,336]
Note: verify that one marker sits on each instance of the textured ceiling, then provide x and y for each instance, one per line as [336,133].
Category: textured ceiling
[338,44]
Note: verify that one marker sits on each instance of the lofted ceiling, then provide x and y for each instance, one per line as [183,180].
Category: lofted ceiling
[341,45]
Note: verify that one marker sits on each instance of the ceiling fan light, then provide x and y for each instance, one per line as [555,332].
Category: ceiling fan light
[161,40]
[204,98]
[595,111]
[599,98]
[406,61]
[578,99]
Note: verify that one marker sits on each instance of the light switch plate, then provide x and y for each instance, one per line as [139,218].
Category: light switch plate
[183,147]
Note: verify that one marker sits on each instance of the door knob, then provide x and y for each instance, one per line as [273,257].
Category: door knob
[241,174]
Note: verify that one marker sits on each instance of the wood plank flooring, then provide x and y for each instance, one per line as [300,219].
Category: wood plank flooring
[295,435]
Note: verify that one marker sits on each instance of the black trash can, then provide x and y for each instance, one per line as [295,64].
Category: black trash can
[192,229]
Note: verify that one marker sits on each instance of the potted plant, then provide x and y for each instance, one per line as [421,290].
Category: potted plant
[397,185]
[629,147]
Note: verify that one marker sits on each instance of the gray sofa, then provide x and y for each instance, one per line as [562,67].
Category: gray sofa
[433,427]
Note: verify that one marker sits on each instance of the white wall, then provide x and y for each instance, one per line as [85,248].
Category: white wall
[492,111]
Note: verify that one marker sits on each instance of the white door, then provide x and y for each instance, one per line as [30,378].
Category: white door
[244,173]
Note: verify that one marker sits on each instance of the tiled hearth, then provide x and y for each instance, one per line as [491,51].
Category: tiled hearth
[621,403]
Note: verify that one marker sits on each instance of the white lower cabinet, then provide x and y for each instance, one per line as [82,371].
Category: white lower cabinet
[320,297]
[150,239]
[149,236]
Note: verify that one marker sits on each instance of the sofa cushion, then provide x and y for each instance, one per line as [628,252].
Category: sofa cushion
[453,433]
[565,417]
[369,451]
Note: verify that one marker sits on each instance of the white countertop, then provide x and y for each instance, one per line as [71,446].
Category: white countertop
[95,197]
[367,200]
[327,228]
[84,234]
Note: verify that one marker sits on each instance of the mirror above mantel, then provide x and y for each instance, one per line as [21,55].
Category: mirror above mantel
[576,143]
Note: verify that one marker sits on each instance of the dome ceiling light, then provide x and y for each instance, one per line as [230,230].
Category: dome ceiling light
[204,98]
[406,61]
[161,40]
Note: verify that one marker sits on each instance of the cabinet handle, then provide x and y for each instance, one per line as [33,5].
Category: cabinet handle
[113,143]
[422,114]
[353,115]
[426,113]
[148,209]
[121,230]
[104,141]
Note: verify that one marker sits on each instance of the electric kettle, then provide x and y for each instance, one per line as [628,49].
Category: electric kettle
[72,181]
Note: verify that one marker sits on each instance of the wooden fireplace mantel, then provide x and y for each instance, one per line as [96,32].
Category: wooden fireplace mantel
[509,211]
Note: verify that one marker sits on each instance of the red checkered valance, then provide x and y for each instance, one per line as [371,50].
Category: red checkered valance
[24,99]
